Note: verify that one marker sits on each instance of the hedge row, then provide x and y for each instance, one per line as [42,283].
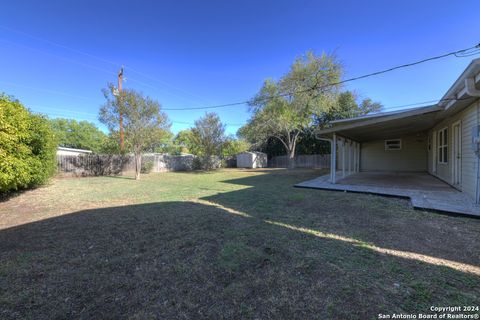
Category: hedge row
[27,147]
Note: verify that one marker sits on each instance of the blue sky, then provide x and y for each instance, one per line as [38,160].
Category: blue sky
[199,53]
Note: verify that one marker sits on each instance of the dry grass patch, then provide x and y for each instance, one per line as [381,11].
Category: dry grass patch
[229,244]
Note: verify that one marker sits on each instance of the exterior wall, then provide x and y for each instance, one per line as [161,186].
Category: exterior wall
[245,160]
[260,160]
[469,118]
[252,160]
[411,157]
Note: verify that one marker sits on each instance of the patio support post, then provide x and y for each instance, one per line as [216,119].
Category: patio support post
[358,156]
[357,152]
[343,158]
[354,157]
[333,159]
[350,157]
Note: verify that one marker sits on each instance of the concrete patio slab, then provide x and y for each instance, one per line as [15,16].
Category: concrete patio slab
[425,191]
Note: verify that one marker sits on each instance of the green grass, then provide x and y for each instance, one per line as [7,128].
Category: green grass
[238,244]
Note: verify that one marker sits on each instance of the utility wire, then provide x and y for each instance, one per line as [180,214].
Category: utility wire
[453,53]
[459,53]
[59,112]
[74,61]
[114,63]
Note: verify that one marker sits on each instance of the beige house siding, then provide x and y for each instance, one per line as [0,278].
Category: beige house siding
[412,156]
[468,118]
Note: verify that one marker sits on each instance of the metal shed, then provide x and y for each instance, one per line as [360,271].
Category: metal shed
[252,160]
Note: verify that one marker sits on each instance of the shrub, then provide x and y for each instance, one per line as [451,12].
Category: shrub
[147,166]
[27,147]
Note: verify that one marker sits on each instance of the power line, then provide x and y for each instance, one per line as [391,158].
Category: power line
[45,90]
[412,104]
[457,54]
[59,57]
[114,63]
[60,112]
[74,61]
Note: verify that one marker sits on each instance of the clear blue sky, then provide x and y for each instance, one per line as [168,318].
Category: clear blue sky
[197,53]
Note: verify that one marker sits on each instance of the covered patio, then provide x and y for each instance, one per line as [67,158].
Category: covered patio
[425,191]
[391,154]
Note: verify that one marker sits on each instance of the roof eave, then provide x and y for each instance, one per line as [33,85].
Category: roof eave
[384,118]
[457,90]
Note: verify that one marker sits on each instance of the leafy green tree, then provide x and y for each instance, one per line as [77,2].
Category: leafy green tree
[111,144]
[286,108]
[81,135]
[27,147]
[166,144]
[143,121]
[347,106]
[185,141]
[232,146]
[208,136]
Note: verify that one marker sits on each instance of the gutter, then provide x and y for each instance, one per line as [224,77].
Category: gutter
[470,88]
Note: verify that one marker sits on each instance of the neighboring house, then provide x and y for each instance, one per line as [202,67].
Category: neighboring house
[441,139]
[62,151]
[252,160]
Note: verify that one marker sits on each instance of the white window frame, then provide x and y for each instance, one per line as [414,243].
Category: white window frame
[387,146]
[442,141]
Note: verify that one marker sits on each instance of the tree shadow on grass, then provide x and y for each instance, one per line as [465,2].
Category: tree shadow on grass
[386,222]
[176,260]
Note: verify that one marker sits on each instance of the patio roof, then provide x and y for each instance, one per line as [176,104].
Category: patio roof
[391,125]
[388,125]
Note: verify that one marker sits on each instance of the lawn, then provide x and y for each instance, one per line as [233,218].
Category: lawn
[239,244]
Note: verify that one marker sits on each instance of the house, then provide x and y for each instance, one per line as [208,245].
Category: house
[426,148]
[252,160]
[62,151]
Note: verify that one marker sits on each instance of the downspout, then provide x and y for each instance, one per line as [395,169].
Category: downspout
[478,160]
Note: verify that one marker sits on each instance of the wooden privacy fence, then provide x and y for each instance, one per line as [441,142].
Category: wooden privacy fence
[100,165]
[320,161]
[165,162]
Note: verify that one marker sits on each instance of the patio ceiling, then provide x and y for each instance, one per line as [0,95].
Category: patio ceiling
[387,126]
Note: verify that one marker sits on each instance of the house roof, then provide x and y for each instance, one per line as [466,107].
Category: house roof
[393,124]
[377,115]
[390,125]
[73,150]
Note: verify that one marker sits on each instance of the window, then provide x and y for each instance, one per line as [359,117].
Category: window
[393,144]
[443,146]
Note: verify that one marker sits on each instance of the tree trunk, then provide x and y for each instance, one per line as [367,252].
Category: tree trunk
[138,165]
[291,158]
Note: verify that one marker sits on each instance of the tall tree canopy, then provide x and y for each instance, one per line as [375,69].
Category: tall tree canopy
[184,140]
[143,122]
[286,113]
[232,146]
[81,135]
[286,108]
[347,106]
[209,136]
